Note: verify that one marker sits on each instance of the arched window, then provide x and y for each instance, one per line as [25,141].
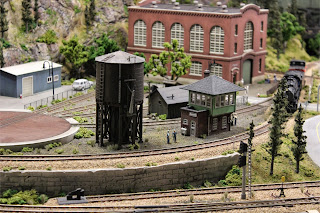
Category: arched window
[196,38]
[157,35]
[217,40]
[177,33]
[140,35]
[248,36]
[216,70]
[196,68]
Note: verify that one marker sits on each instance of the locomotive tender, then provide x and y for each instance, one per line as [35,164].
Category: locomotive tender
[294,77]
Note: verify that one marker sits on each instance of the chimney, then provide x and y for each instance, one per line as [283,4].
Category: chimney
[242,4]
[154,4]
[176,6]
[224,9]
[199,7]
[219,4]
[206,73]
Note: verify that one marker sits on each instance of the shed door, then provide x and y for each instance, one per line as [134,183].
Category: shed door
[247,71]
[27,86]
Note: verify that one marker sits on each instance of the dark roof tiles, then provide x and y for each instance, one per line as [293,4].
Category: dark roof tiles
[213,85]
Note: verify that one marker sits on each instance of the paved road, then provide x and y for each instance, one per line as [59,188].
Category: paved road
[17,103]
[312,128]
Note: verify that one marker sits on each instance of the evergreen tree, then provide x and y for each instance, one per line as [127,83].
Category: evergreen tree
[2,63]
[274,28]
[278,119]
[92,11]
[26,13]
[3,19]
[299,145]
[36,11]
[180,61]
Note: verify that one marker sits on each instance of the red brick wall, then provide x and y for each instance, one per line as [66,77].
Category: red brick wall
[207,20]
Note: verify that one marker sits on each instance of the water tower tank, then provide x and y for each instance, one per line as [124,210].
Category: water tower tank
[122,73]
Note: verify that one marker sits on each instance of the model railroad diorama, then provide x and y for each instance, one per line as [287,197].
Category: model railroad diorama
[136,152]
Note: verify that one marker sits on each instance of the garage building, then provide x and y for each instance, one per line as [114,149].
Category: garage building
[28,79]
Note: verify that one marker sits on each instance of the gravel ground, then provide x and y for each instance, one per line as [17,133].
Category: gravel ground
[258,195]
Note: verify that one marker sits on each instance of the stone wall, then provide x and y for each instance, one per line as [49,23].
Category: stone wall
[114,180]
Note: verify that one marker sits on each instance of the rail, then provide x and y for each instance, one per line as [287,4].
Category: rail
[66,95]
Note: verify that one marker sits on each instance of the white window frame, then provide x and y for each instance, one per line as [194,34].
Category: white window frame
[196,38]
[217,40]
[185,122]
[248,36]
[158,31]
[177,33]
[140,33]
[49,79]
[224,122]
[214,124]
[216,70]
[196,68]
[193,97]
[56,77]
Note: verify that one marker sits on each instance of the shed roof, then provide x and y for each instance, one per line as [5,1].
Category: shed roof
[120,57]
[179,95]
[213,85]
[30,67]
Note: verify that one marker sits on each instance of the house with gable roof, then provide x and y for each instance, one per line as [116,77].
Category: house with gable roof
[212,100]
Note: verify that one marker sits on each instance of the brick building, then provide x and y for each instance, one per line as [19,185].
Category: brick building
[235,38]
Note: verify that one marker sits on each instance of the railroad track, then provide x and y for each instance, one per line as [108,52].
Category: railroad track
[202,191]
[221,142]
[188,207]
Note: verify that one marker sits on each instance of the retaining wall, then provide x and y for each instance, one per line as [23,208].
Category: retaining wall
[114,180]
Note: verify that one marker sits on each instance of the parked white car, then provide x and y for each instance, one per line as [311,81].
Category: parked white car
[81,84]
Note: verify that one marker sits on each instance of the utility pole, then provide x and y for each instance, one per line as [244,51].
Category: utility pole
[242,163]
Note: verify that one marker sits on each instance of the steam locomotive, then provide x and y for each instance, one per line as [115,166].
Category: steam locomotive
[294,77]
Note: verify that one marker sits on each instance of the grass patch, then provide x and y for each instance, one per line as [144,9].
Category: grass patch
[84,133]
[30,197]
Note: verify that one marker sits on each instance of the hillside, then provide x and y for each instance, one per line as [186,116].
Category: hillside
[66,18]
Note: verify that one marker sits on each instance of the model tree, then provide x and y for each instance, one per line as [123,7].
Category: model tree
[36,11]
[180,61]
[278,119]
[3,19]
[75,53]
[146,65]
[26,14]
[2,63]
[299,145]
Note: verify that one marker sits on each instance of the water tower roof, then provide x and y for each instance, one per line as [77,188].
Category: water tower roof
[120,57]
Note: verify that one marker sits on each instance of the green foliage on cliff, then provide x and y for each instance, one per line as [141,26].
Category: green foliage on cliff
[49,37]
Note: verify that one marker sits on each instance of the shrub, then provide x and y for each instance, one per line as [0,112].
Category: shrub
[80,119]
[59,151]
[84,133]
[24,47]
[222,183]
[49,37]
[228,152]
[207,184]
[151,164]
[134,146]
[233,178]
[75,151]
[22,197]
[21,168]
[27,149]
[91,143]
[7,169]
[31,108]
[176,158]
[49,168]
[53,145]
[187,186]
[77,10]
[42,106]
[120,165]
[163,117]
[5,151]
[42,198]
[56,101]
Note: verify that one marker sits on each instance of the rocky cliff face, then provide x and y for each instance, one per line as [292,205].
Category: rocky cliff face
[66,19]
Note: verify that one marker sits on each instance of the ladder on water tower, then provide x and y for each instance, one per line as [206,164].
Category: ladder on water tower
[100,108]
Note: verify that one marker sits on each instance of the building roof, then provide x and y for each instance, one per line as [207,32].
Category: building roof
[179,95]
[30,67]
[120,57]
[213,85]
[202,9]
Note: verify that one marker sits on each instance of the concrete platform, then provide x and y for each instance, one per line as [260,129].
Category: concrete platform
[20,129]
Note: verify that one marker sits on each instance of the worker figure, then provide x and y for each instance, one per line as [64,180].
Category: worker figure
[235,119]
[275,77]
[168,137]
[174,134]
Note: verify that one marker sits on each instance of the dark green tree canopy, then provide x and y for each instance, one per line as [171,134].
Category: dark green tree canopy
[4,27]
[26,14]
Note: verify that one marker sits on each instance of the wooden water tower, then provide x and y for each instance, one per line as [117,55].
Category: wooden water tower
[119,98]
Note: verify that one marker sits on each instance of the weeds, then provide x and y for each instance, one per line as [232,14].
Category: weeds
[84,133]
[21,168]
[27,149]
[120,165]
[59,151]
[7,169]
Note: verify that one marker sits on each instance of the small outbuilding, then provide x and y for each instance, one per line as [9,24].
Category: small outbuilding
[212,100]
[30,78]
[168,100]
